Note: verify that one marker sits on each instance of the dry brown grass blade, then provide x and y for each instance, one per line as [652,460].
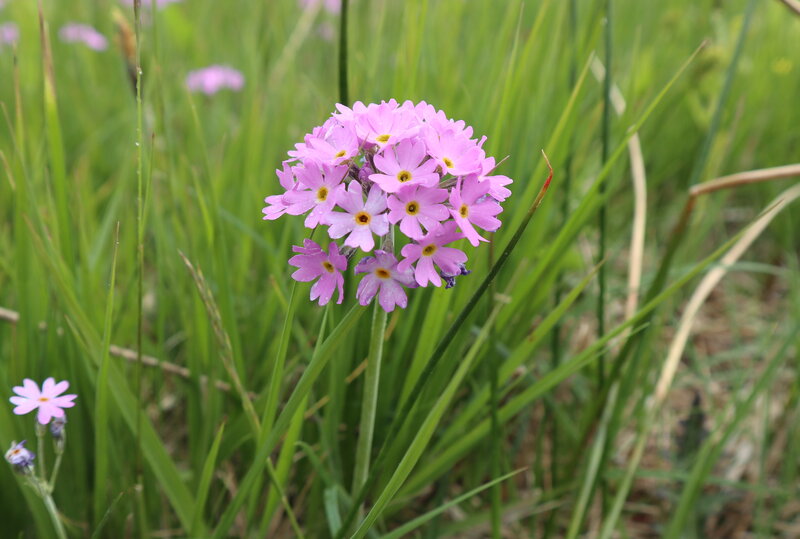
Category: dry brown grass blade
[794,5]
[744,178]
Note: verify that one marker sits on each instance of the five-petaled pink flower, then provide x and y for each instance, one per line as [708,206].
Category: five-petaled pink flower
[430,250]
[312,262]
[404,167]
[383,276]
[471,206]
[414,206]
[49,400]
[361,219]
[317,187]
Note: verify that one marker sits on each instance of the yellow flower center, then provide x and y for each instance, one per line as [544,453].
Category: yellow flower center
[429,250]
[328,266]
[340,153]
[322,194]
[412,208]
[447,162]
[403,176]
[463,210]
[383,273]
[383,139]
[43,399]
[363,218]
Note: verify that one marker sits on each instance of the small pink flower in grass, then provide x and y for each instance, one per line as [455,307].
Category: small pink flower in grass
[430,250]
[212,79]
[361,219]
[49,400]
[403,166]
[331,6]
[318,187]
[312,263]
[454,153]
[83,33]
[470,208]
[276,206]
[9,33]
[414,206]
[383,276]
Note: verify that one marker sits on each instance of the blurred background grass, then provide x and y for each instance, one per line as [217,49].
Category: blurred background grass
[506,68]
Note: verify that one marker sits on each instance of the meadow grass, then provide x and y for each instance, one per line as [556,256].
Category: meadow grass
[542,396]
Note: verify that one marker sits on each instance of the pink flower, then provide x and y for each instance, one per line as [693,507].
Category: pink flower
[83,33]
[331,6]
[470,207]
[9,33]
[313,263]
[361,219]
[384,277]
[48,401]
[317,187]
[414,206]
[430,250]
[333,144]
[454,152]
[212,79]
[402,166]
[276,206]
[386,124]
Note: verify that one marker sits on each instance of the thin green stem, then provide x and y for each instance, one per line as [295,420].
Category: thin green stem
[344,98]
[50,504]
[602,218]
[40,432]
[370,397]
[57,464]
[137,16]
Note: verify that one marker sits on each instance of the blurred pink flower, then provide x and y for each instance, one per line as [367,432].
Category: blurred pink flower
[331,6]
[212,79]
[83,33]
[48,400]
[9,33]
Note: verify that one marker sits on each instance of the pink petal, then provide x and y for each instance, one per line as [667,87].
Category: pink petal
[57,389]
[25,407]
[28,389]
[367,289]
[392,294]
[64,401]
[425,272]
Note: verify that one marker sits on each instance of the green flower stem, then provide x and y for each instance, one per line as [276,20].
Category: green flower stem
[59,449]
[42,466]
[42,490]
[370,398]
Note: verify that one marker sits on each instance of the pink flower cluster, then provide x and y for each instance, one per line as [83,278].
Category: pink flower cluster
[375,167]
